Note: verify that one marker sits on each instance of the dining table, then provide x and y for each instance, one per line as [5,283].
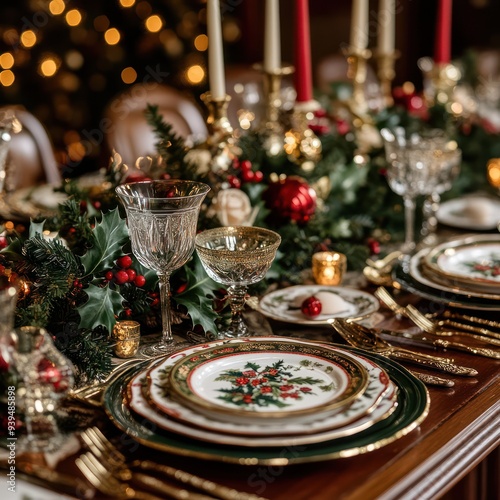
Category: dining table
[453,453]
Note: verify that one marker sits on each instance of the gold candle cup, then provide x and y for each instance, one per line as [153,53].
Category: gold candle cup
[328,268]
[126,337]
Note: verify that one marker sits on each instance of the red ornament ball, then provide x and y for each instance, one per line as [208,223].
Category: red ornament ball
[291,199]
[311,307]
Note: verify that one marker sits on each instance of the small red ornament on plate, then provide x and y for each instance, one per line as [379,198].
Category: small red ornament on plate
[311,307]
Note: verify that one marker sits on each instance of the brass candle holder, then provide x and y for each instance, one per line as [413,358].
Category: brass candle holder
[357,69]
[302,145]
[328,268]
[221,139]
[126,338]
[271,129]
[386,74]
[440,81]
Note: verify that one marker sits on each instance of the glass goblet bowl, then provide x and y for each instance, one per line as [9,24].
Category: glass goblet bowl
[237,256]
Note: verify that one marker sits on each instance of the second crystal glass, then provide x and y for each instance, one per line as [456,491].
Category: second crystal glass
[162,218]
[237,256]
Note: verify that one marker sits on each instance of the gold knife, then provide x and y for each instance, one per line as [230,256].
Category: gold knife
[423,341]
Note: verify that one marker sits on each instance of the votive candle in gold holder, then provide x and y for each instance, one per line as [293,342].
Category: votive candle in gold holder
[328,268]
[126,338]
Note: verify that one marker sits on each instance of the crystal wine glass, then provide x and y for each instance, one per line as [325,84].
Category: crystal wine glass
[409,173]
[237,256]
[162,217]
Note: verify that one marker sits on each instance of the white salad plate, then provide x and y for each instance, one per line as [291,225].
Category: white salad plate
[338,302]
[477,212]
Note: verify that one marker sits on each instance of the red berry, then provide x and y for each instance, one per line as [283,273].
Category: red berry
[247,175]
[258,176]
[127,312]
[83,206]
[140,280]
[155,302]
[234,182]
[4,242]
[121,277]
[311,307]
[182,288]
[246,165]
[109,275]
[97,205]
[131,275]
[125,261]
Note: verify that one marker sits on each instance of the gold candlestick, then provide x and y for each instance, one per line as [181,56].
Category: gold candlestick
[301,144]
[440,81]
[221,141]
[271,128]
[357,61]
[386,74]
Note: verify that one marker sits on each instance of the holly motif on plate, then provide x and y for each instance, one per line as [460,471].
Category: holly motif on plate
[488,268]
[254,386]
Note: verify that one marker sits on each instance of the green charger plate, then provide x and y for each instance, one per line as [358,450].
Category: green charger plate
[412,409]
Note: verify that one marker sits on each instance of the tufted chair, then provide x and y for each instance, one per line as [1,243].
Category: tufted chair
[127,131]
[31,160]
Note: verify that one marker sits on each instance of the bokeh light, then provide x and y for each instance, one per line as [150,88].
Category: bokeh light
[112,36]
[129,75]
[28,38]
[48,66]
[195,74]
[7,77]
[56,7]
[154,23]
[127,3]
[6,60]
[73,17]
[101,23]
[201,43]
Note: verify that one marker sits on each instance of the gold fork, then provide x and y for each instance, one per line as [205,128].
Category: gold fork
[108,484]
[430,327]
[105,450]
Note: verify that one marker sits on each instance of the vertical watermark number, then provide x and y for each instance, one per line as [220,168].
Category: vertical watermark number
[11,438]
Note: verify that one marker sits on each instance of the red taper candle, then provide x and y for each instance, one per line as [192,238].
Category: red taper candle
[303,72]
[442,47]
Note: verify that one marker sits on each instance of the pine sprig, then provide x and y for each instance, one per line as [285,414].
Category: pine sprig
[169,145]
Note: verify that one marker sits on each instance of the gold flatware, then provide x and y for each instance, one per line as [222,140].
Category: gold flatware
[354,340]
[120,478]
[105,450]
[362,337]
[471,319]
[108,484]
[485,332]
[415,315]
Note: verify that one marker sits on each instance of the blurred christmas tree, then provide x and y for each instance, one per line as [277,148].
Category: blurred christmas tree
[64,60]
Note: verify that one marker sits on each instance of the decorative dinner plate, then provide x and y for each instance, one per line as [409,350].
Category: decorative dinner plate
[451,299]
[270,381]
[480,213]
[473,261]
[435,281]
[284,304]
[139,404]
[411,409]
[35,202]
[378,386]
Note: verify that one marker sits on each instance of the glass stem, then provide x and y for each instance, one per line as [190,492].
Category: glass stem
[236,297]
[167,337]
[409,245]
[430,208]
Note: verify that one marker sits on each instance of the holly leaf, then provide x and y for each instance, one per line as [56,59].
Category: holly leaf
[36,228]
[198,296]
[108,238]
[101,308]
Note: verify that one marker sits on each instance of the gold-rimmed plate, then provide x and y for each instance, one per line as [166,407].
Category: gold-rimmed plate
[412,408]
[265,382]
[379,386]
[473,262]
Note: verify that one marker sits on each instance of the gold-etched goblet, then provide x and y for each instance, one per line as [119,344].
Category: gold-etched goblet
[237,256]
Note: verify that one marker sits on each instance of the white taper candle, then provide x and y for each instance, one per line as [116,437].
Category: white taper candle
[215,53]
[359,25]
[272,42]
